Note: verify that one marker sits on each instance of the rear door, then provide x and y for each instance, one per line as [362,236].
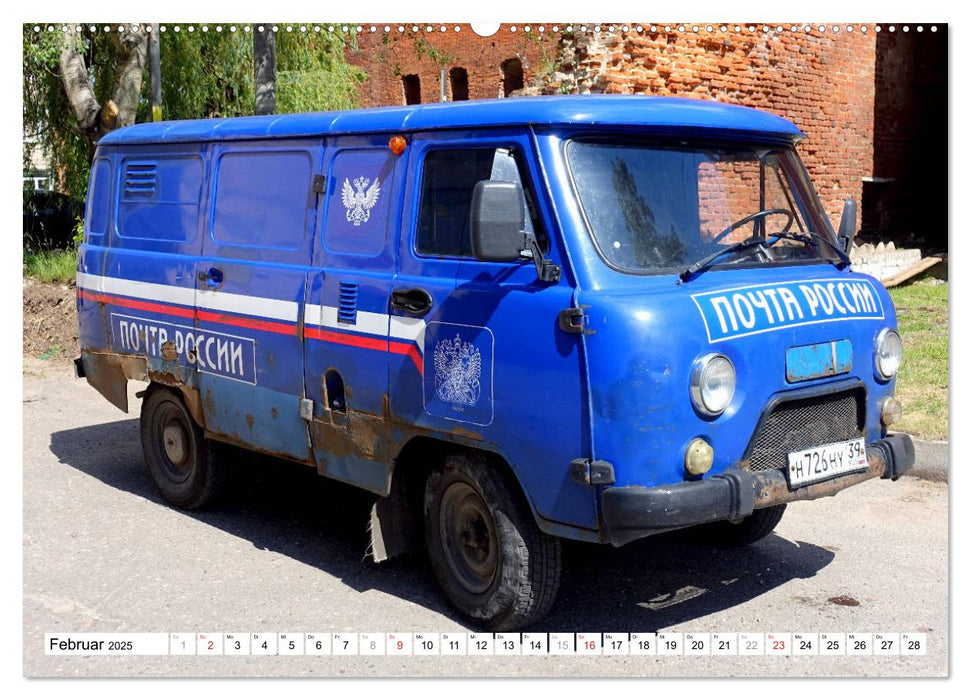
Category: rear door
[248,344]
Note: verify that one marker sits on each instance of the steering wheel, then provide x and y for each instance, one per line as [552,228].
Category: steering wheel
[753,217]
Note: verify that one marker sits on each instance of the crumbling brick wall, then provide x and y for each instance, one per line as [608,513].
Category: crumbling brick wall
[824,82]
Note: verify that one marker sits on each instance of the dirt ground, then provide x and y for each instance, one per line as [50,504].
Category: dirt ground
[50,321]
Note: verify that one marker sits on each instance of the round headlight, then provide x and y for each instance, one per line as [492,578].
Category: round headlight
[712,384]
[889,351]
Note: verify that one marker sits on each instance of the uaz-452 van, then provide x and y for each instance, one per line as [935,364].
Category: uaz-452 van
[515,321]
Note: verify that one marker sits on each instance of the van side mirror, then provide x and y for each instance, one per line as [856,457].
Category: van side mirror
[498,221]
[497,228]
[847,226]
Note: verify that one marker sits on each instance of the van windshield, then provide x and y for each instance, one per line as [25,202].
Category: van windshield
[653,208]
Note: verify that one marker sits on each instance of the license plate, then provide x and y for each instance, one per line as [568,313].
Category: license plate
[826,461]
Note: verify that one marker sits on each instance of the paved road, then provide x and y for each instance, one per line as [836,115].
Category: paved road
[103,553]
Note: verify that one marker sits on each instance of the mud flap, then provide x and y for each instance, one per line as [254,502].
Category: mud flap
[392,525]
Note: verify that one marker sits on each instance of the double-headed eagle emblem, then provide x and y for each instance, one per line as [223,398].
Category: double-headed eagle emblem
[359,203]
[458,368]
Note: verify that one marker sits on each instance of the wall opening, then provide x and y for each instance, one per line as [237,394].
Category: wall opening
[905,200]
[412,89]
[512,76]
[459,81]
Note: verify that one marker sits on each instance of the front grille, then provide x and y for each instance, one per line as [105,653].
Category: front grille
[808,422]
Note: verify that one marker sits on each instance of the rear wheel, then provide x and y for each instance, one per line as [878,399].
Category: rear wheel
[748,530]
[181,461]
[491,560]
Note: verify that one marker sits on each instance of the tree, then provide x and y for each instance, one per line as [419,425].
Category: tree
[206,72]
[94,118]
[264,63]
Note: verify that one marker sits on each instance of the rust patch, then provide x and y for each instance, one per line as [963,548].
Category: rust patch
[166,378]
[844,600]
[250,420]
[348,392]
[773,488]
[273,412]
[168,351]
[209,403]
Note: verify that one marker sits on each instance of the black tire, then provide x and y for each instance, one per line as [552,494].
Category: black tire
[749,530]
[182,462]
[506,571]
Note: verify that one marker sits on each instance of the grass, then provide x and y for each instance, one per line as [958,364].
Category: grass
[51,265]
[922,315]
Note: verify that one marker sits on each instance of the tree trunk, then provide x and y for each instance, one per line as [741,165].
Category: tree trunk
[95,120]
[264,63]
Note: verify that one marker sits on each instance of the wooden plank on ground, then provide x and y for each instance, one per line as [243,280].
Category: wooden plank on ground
[912,271]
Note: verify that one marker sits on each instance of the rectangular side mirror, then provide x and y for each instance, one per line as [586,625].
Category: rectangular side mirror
[847,230]
[498,221]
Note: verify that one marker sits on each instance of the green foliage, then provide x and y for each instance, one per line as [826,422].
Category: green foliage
[922,384]
[47,115]
[204,74]
[312,74]
[51,265]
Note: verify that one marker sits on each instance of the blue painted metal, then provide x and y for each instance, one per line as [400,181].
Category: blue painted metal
[544,396]
[819,360]
[600,111]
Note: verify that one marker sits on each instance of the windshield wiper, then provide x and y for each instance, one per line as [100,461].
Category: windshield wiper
[808,238]
[706,261]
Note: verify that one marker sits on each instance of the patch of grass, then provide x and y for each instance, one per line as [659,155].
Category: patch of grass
[51,265]
[922,315]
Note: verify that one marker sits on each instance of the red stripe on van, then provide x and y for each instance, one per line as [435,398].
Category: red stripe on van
[360,341]
[180,311]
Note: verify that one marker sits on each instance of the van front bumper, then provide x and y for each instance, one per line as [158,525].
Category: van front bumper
[632,512]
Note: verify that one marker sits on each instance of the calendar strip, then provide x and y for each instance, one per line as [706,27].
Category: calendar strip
[423,644]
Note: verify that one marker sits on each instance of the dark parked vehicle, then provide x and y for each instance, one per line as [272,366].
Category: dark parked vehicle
[49,219]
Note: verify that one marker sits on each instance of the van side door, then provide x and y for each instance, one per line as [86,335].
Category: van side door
[251,277]
[486,364]
[346,319]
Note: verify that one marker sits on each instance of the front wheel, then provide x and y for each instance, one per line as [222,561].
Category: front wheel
[491,560]
[182,462]
[748,530]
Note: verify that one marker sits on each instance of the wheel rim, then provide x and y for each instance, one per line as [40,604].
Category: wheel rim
[468,538]
[173,443]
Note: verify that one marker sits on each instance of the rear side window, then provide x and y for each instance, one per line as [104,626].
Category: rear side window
[160,198]
[262,199]
[360,195]
[99,197]
[448,178]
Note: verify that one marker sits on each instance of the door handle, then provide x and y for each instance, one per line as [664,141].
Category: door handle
[414,302]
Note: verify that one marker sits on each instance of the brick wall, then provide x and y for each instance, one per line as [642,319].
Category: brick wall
[387,58]
[824,83]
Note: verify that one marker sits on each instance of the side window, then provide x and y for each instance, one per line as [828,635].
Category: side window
[448,178]
[262,199]
[160,198]
[99,197]
[359,194]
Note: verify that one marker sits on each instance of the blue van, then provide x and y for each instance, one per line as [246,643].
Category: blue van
[515,321]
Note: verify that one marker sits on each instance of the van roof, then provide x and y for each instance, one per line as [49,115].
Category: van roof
[637,111]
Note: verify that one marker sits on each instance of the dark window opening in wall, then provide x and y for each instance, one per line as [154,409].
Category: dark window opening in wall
[512,76]
[459,80]
[412,88]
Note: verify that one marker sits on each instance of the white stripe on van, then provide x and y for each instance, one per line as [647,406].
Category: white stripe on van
[406,328]
[401,328]
[186,296]
[326,316]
